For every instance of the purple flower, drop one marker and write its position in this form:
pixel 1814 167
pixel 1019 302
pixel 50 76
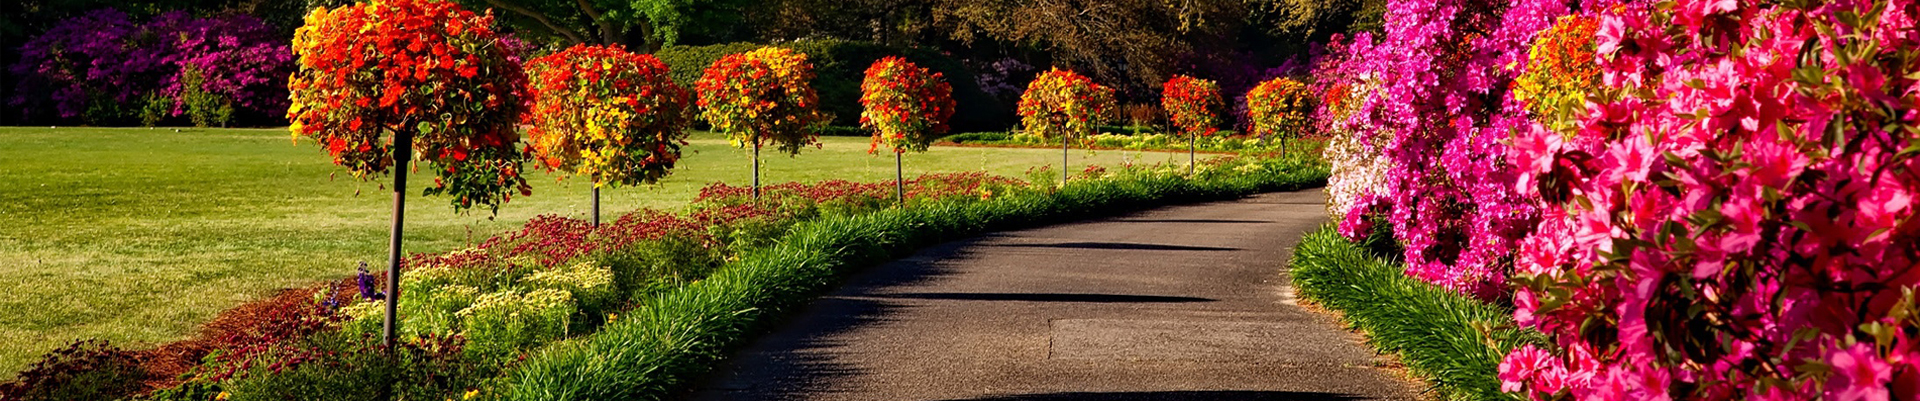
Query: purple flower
pixel 367 285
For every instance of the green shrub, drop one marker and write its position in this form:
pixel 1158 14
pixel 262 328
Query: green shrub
pixel 1454 341
pixel 500 325
pixel 839 67
pixel 978 137
pixel 651 266
pixel 590 284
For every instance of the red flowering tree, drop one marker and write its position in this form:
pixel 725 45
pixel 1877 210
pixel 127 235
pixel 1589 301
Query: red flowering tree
pixel 762 97
pixel 380 84
pixel 907 106
pixel 1193 109
pixel 604 113
pixel 1061 104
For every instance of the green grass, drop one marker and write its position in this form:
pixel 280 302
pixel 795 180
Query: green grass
pixel 1454 341
pixel 139 235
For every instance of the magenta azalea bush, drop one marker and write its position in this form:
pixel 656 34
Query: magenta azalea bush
pixel 1734 217
pixel 1435 93
pixel 103 65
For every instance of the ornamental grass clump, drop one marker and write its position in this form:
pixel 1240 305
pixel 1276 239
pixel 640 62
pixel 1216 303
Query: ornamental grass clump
pixel 606 114
pixel 1733 215
pixel 906 107
pixel 762 97
pixel 1193 109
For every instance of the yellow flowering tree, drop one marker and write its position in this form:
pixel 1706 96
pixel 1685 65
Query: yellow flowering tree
pixel 605 113
pixel 759 98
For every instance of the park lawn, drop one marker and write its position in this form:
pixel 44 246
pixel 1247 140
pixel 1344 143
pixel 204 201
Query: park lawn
pixel 138 235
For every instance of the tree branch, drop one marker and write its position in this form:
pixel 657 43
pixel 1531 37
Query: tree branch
pixel 541 18
pixel 607 34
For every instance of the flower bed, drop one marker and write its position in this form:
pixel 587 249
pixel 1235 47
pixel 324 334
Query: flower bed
pixel 1223 142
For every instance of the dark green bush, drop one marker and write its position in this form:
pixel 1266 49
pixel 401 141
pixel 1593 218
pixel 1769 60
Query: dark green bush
pixel 83 370
pixel 840 65
pixel 340 367
pixel 1455 341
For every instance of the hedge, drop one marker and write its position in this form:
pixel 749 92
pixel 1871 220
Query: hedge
pixel 1454 341
pixel 673 339
pixel 840 65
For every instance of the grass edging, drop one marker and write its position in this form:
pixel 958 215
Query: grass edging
pixel 670 341
pixel 1454 341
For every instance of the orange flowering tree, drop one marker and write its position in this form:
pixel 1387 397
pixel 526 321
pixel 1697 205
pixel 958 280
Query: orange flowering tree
pixel 605 113
pixel 381 83
pixel 1065 105
pixel 906 107
pixel 1281 107
pixel 1193 109
pixel 1560 72
pixel 759 98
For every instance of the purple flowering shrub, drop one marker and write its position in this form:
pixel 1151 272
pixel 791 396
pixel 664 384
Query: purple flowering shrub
pixel 102 67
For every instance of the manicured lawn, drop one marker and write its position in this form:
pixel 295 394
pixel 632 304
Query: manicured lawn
pixel 137 235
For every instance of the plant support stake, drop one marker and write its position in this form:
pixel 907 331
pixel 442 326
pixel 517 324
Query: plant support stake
pixel 899 180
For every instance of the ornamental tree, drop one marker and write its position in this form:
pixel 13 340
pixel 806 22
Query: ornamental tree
pixel 382 83
pixel 1560 72
pixel 762 97
pixel 1732 215
pixel 907 106
pixel 1193 109
pixel 1282 107
pixel 602 112
pixel 1060 104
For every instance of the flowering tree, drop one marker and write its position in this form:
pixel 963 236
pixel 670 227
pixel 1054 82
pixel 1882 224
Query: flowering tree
pixel 382 83
pixel 1193 107
pixel 602 112
pixel 1560 72
pixel 906 107
pixel 762 97
pixel 1280 107
pixel 1731 216
pixel 1065 105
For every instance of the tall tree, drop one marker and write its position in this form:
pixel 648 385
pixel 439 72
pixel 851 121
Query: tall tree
pixel 1135 41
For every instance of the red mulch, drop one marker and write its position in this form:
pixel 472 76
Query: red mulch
pixel 1012 146
pixel 165 363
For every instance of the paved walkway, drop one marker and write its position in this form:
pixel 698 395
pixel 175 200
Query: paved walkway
pixel 1177 303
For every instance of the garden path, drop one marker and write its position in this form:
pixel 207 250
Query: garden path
pixel 1176 303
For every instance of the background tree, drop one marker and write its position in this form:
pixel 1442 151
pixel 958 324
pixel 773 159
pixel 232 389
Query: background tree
pixel 761 97
pixel 1193 109
pixel 604 113
pixel 644 25
pixel 379 84
pixel 1064 105
pixel 906 108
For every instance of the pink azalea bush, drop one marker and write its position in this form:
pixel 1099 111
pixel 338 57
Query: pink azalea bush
pixel 1734 217
pixel 1435 94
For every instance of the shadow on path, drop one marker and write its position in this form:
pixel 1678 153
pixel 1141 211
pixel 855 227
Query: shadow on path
pixel 1197 221
pixel 1177 396
pixel 1045 297
pixel 1121 245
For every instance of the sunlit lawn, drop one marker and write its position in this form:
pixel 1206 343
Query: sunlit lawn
pixel 137 235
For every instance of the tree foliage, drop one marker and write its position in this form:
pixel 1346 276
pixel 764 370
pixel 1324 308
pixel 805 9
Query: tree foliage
pixel 427 68
pixel 1193 105
pixel 1063 104
pixel 762 97
pixel 604 113
pixel 907 106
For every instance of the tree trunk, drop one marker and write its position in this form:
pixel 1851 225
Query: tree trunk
pixel 756 171
pixel 1063 161
pixel 1190 140
pixel 899 180
pixel 596 204
pixel 402 152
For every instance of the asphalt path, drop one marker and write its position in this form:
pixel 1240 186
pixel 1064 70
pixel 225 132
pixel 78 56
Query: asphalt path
pixel 1177 303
